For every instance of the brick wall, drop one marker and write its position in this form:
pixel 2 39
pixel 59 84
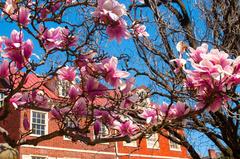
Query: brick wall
pixel 59 147
pixel 11 124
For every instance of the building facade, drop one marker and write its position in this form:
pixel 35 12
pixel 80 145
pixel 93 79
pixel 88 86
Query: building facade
pixel 42 122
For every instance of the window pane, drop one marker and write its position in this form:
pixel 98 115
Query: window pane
pixel 131 144
pixel 38 123
pixel 152 141
pixel 173 145
pixel 35 157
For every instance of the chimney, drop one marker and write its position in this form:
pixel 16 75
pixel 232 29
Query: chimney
pixel 212 154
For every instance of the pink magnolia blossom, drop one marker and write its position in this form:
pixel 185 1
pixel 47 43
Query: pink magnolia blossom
pixel 44 12
pixel 180 63
pixel 128 85
pixel 86 58
pixel 16 101
pixel 73 92
pixel 4 69
pixel 94 88
pixel 168 111
pixel 213 73
pixel 55 6
pixel 150 115
pixel 22 16
pixel 17 50
pixel 217 104
pixel 57 37
pixel 51 37
pixel 56 113
pixel 67 73
pixel 129 101
pixel 67 40
pixel 104 116
pixel 41 100
pixel 97 127
pixel 26 124
pixel 109 10
pixel 118 30
pixel 172 111
pixel 88 65
pixel 126 128
pixel 70 1
pixel 181 109
pixel 113 76
pixel 196 55
pixel 80 107
pixel 140 30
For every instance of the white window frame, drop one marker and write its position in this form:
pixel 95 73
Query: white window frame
pixel 45 157
pixel 103 128
pixel 2 97
pixel 64 136
pixel 60 87
pixel 100 134
pixel 46 121
pixel 131 144
pixel 153 144
pixel 171 143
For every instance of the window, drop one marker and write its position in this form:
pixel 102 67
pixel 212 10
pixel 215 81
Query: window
pixel 152 141
pixel 131 144
pixel 39 122
pixel 2 96
pixel 69 124
pixel 173 145
pixel 63 87
pixel 37 157
pixel 104 131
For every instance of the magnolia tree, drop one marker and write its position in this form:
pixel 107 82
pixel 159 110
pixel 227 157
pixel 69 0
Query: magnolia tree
pixel 63 40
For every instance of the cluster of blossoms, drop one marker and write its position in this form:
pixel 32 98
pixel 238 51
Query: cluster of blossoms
pixel 156 113
pixel 52 7
pixel 16 49
pixel 36 98
pixel 110 13
pixel 22 13
pixel 56 37
pixel 93 92
pixel 101 93
pixel 211 75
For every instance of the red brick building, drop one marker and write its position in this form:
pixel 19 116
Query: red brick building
pixel 63 148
